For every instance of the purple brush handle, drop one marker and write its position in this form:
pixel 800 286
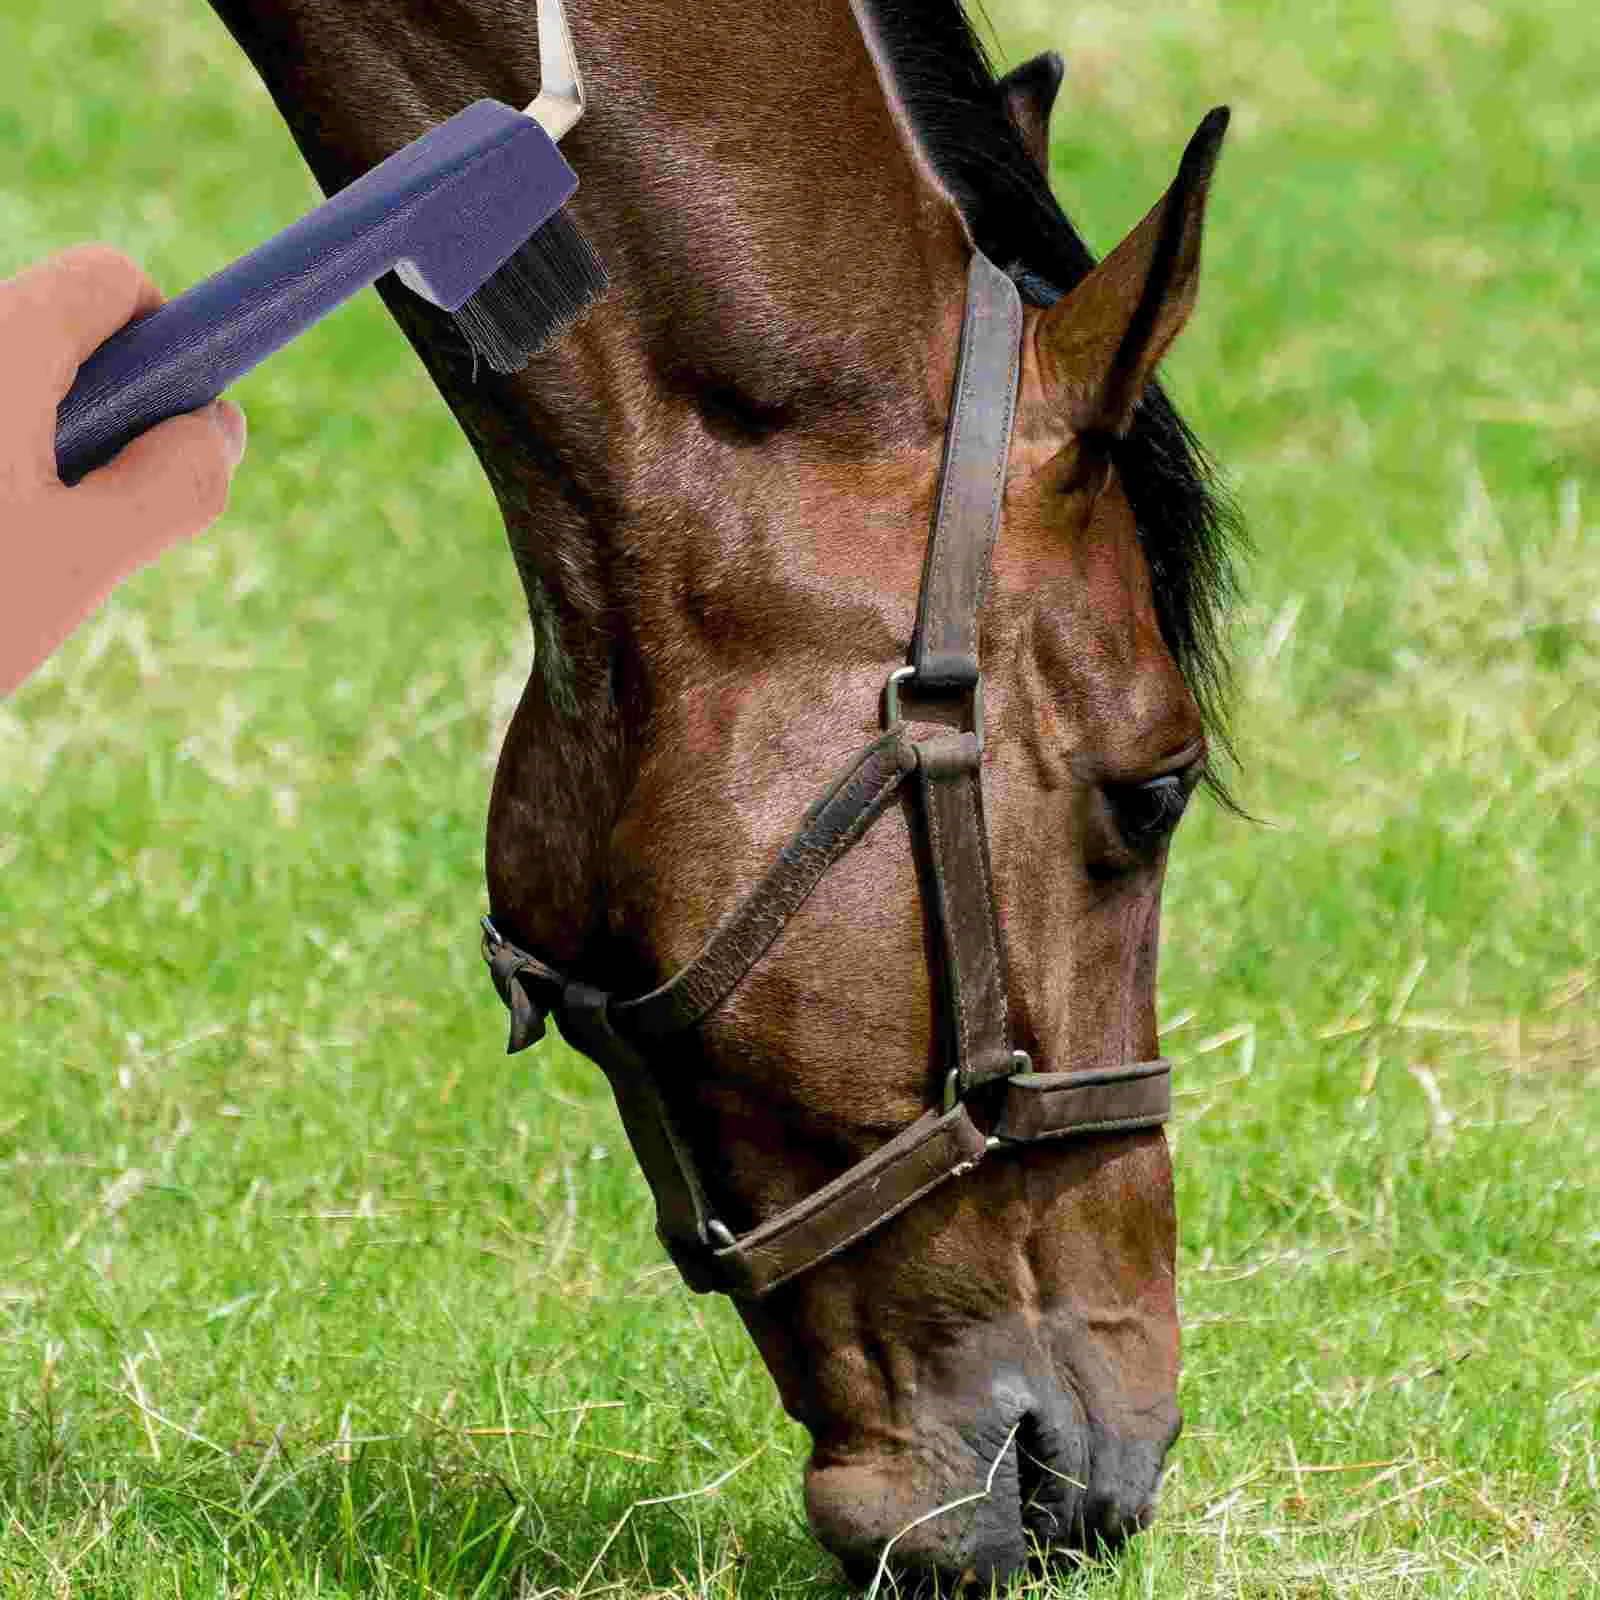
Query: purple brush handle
pixel 450 208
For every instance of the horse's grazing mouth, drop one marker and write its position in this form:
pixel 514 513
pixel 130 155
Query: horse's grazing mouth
pixel 716 610
pixel 1048 1482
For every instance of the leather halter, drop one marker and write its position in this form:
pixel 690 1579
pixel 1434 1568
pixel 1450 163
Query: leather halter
pixel 944 772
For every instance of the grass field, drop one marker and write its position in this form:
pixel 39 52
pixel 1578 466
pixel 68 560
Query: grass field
pixel 305 1289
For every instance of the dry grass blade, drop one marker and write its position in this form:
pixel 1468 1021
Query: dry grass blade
pixel 939 1511
pixel 659 1500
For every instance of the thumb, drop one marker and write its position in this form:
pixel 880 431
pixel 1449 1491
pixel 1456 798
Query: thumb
pixel 168 484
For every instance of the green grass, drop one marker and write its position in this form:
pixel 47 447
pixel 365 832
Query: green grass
pixel 305 1289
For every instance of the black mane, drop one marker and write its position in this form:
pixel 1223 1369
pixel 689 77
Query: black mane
pixel 1190 529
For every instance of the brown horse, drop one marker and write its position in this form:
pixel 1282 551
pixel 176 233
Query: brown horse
pixel 718 493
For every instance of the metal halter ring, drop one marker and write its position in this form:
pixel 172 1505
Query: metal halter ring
pixel 891 700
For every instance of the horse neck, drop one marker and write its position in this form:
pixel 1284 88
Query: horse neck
pixel 786 289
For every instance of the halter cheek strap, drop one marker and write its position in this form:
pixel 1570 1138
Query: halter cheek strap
pixel 944 772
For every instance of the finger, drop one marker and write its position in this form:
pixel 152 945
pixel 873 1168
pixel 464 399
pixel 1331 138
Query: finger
pixel 166 485
pixel 54 314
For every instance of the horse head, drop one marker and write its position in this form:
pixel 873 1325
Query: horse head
pixel 719 491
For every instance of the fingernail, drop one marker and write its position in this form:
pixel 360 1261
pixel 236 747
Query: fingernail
pixel 231 420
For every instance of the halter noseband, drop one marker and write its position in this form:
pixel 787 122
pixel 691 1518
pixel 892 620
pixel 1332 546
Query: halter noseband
pixel 944 771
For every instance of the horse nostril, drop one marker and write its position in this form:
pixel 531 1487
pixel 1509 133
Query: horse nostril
pixel 1038 1493
pixel 1053 1473
pixel 1028 1471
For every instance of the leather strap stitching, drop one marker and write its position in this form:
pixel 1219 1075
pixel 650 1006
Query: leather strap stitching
pixel 769 1255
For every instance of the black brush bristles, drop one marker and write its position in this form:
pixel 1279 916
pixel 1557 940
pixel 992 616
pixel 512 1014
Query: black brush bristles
pixel 542 292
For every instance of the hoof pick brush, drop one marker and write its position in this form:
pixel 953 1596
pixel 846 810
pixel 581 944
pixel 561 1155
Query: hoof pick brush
pixel 468 216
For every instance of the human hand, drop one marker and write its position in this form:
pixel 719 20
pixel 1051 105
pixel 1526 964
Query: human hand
pixel 62 551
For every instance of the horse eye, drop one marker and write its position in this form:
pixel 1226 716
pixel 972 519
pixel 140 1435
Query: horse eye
pixel 1147 812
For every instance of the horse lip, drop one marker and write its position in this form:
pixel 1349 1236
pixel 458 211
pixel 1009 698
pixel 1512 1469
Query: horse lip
pixel 1034 1470
pixel 1045 1491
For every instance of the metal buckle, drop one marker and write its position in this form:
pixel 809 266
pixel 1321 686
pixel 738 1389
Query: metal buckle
pixel 891 699
pixel 1020 1059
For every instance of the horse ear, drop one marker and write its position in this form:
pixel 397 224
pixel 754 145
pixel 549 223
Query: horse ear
pixel 957 230
pixel 1099 344
pixel 1028 94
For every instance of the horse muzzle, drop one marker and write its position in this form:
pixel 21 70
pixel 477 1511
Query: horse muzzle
pixel 975 1502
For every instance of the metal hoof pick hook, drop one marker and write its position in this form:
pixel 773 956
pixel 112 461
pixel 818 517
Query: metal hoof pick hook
pixel 559 102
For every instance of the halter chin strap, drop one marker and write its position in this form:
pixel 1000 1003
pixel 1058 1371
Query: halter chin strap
pixel 944 774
